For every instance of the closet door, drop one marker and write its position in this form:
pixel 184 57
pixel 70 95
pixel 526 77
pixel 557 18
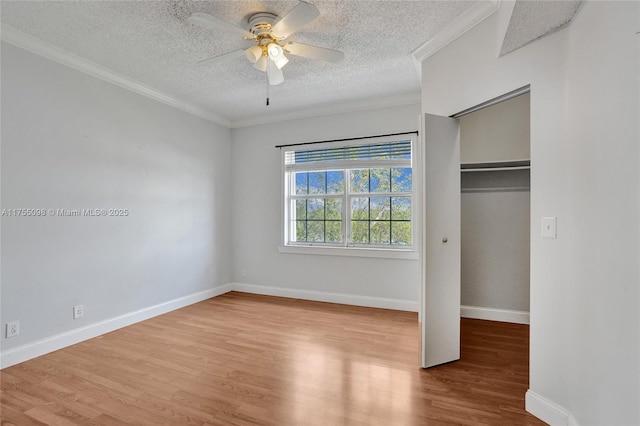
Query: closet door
pixel 441 241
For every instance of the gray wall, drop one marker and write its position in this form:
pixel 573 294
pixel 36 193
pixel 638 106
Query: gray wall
pixel 495 239
pixel 500 132
pixel 257 232
pixel 71 141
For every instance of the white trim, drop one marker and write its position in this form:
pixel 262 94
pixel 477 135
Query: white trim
pixel 49 344
pixel 345 299
pixel 492 314
pixel 548 411
pixel 49 51
pixel 494 101
pixel 351 251
pixel 463 23
pixel 329 109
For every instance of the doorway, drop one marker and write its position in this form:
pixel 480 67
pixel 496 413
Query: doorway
pixel 441 289
pixel 495 211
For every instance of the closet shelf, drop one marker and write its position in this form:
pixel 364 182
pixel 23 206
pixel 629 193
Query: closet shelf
pixel 497 189
pixel 496 166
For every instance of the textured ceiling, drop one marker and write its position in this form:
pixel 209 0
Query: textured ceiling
pixel 531 20
pixel 153 43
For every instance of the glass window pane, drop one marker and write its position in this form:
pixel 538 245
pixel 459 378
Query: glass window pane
pixel 359 180
pixel 301 230
pixel 317 182
pixel 380 232
pixel 302 180
pixel 401 233
pixel 401 179
pixel 380 208
pixel 301 209
pixel 360 232
pixel 315 209
pixel 401 208
pixel 380 180
pixel 333 231
pixel 360 208
pixel 315 231
pixel 333 209
pixel 335 182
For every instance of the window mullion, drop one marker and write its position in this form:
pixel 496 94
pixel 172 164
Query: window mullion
pixel 390 208
pixel 307 197
pixel 346 209
pixel 324 216
pixel 306 218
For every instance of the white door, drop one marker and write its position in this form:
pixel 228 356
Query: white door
pixel 441 241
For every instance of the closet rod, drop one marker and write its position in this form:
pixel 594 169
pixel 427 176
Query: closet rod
pixel 415 132
pixel 496 165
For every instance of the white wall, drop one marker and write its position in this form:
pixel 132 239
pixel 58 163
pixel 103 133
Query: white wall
pixel 71 141
pixel 257 215
pixel 585 302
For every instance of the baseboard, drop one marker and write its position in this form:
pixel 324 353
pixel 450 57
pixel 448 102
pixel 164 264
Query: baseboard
pixel 504 315
pixel 320 296
pixel 35 349
pixel 548 411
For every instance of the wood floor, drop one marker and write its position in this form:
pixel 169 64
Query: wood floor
pixel 241 359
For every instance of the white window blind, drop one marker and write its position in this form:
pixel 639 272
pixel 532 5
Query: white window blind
pixel 393 154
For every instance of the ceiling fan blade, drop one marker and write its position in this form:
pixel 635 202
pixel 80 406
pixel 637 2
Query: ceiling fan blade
pixel 211 21
pixel 314 52
pixel 274 75
pixel 296 18
pixel 220 58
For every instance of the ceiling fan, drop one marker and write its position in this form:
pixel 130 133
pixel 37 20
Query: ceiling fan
pixel 268 54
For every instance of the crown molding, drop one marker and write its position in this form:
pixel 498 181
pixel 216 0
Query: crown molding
pixel 49 51
pixel 328 109
pixel 477 13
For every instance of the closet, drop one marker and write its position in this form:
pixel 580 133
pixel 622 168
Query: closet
pixel 495 211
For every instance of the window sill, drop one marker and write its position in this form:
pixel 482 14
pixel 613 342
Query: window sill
pixel 351 251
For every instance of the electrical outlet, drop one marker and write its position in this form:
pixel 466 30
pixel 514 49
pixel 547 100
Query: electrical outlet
pixel 244 274
pixel 78 311
pixel 13 329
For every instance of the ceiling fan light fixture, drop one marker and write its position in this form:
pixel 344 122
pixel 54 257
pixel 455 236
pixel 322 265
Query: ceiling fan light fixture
pixel 261 63
pixel 253 54
pixel 281 62
pixel 276 54
pixel 274 50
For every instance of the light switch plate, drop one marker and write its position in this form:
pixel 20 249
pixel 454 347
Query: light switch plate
pixel 549 227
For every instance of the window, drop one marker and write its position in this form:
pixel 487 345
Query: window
pixel 350 194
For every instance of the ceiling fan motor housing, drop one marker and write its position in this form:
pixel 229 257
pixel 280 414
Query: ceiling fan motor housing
pixel 260 23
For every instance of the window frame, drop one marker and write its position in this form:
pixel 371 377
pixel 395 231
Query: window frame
pixel 346 248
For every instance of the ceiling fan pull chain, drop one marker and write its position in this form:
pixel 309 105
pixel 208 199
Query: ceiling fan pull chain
pixel 267 91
